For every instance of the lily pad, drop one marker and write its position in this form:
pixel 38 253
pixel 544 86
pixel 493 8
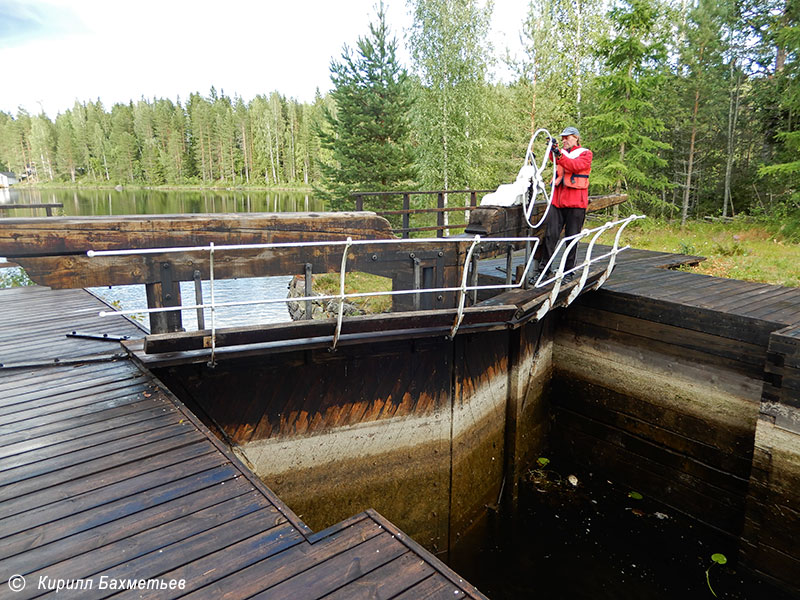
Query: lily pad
pixel 635 495
pixel 543 462
pixel 720 559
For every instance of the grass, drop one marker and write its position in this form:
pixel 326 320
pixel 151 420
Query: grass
pixel 355 282
pixel 740 249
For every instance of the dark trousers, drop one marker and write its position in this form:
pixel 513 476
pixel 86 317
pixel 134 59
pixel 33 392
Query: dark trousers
pixel 570 219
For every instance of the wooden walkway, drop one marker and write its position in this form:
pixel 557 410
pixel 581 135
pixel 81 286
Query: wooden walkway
pixel 107 481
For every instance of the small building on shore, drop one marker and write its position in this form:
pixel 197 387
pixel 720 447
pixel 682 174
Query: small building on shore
pixel 7 179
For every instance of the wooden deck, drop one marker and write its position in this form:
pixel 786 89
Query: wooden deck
pixel 104 474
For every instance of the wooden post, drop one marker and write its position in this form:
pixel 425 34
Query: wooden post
pixel 158 321
pixel 309 278
pixel 473 202
pixel 417 281
pixel 406 216
pixel 440 214
pixel 198 299
pixel 359 202
pixel 509 263
pixel 165 293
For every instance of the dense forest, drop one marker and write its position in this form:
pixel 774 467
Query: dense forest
pixel 690 106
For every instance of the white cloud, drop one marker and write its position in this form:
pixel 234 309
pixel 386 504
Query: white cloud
pixel 122 51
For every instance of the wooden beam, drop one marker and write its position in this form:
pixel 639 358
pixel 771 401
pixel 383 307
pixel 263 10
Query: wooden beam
pixel 75 235
pixel 386 260
pixel 235 336
pixel 498 221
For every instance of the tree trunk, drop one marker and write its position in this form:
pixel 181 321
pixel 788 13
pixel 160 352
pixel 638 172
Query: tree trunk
pixel 244 148
pixel 733 116
pixel 445 157
pixel 690 162
pixel 202 154
pixel 578 77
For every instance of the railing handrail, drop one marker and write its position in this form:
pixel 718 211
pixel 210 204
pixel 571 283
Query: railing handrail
pixel 419 192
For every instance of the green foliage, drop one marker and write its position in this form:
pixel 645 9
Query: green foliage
pixel 367 133
pixel 629 78
pixel 627 127
pixel 448 42
pixel 14 277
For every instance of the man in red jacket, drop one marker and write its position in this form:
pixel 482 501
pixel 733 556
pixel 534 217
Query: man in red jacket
pixel 570 198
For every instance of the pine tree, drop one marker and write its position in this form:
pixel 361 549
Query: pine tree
pixel 368 132
pixel 626 128
pixel 786 171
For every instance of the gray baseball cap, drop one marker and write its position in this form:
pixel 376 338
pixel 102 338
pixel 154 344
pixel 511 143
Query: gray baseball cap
pixel 570 131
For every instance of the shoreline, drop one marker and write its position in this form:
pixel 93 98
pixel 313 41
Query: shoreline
pixel 163 188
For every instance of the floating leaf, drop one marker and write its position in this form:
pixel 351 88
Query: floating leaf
pixel 543 462
pixel 720 559
pixel 635 495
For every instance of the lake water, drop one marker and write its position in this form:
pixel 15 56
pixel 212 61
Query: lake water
pixel 156 202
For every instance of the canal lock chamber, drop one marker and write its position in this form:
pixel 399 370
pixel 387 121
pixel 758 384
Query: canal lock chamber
pixel 442 436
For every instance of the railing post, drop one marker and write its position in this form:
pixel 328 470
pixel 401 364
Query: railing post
pixel 440 214
pixel 406 216
pixel 359 202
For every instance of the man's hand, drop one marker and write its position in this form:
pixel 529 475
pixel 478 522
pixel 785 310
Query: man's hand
pixel 556 149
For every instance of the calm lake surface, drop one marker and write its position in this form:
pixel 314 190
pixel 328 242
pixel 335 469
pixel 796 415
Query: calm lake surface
pixel 159 202
pixel 156 202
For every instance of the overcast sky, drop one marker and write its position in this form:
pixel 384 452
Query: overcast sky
pixel 54 52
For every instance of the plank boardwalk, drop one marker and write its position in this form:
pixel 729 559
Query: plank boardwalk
pixel 105 477
pixel 648 275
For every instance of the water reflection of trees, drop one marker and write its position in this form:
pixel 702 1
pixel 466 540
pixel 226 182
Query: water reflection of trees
pixel 79 202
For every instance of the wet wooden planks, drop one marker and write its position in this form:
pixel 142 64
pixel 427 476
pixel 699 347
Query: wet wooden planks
pixel 35 321
pixel 104 473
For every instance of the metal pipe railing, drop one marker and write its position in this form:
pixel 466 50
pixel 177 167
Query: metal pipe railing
pixel 349 243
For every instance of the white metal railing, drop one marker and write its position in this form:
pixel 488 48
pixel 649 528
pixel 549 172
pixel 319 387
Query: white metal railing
pixel 349 243
pixel 568 243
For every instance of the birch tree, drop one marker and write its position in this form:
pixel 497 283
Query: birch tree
pixel 450 53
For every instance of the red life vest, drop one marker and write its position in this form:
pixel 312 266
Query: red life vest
pixel 579 180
